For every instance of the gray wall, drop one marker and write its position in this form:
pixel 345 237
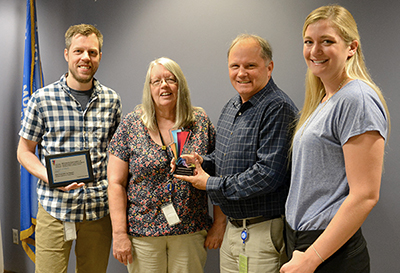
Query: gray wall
pixel 196 34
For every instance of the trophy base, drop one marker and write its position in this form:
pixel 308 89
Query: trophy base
pixel 182 170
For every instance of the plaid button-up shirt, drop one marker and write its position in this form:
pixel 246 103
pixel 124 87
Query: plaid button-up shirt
pixel 251 155
pixel 57 121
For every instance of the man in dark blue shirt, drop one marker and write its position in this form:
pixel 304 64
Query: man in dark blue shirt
pixel 250 161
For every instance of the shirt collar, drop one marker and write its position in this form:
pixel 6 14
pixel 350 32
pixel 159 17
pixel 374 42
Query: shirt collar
pixel 96 85
pixel 237 103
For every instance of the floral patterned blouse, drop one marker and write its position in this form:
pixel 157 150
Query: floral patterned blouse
pixel 148 178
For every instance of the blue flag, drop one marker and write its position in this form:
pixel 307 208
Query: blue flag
pixel 32 80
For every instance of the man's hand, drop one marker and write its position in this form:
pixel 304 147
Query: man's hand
pixel 215 236
pixel 72 186
pixel 191 158
pixel 200 177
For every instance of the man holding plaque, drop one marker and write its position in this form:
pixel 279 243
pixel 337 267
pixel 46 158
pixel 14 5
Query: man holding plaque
pixel 251 163
pixel 70 122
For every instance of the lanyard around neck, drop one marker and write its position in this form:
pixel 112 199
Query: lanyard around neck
pixel 164 147
pixel 170 186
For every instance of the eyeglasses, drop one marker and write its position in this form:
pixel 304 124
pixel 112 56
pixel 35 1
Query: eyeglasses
pixel 160 81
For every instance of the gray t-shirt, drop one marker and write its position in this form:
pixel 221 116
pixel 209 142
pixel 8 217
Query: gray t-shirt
pixel 82 96
pixel 319 183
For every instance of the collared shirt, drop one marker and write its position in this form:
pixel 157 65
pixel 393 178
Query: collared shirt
pixel 251 155
pixel 57 121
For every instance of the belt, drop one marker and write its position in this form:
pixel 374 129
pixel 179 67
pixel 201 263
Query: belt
pixel 239 222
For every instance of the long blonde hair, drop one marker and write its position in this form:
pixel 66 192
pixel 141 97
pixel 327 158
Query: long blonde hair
pixel 355 67
pixel 184 108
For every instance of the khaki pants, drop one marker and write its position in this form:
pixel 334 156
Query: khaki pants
pixel 92 246
pixel 265 247
pixel 172 254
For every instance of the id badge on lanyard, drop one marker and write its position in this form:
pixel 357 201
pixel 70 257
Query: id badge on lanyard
pixel 243 259
pixel 69 231
pixel 168 208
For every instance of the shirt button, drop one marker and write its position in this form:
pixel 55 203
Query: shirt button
pixel 240 113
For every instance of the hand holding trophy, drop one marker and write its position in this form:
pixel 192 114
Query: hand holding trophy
pixel 181 138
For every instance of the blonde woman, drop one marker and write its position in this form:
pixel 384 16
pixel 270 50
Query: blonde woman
pixel 338 150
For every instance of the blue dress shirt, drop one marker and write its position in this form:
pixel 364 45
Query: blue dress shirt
pixel 251 157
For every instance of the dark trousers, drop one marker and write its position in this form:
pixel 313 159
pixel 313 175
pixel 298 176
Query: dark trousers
pixel 352 257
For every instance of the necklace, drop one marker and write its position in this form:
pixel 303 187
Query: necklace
pixel 326 102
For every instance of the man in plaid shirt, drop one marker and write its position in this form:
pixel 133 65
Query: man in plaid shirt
pixel 250 163
pixel 75 113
